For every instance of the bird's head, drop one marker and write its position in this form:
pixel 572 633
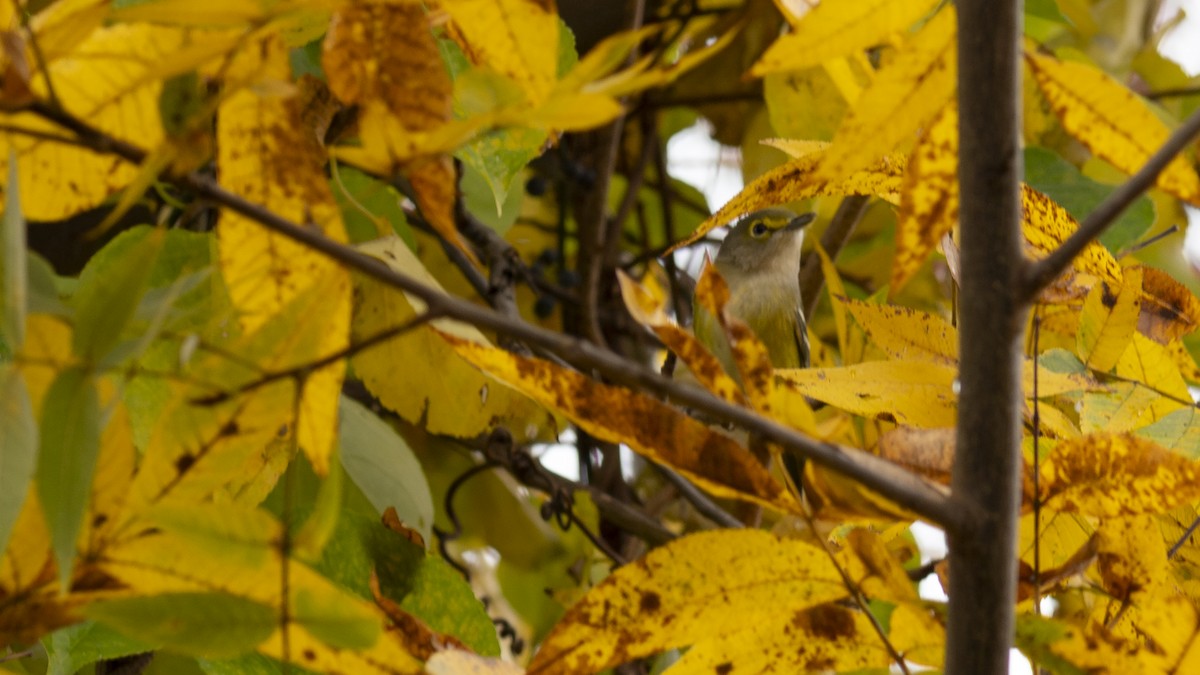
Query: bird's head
pixel 764 240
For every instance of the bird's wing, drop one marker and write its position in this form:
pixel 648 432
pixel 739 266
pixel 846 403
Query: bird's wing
pixel 802 347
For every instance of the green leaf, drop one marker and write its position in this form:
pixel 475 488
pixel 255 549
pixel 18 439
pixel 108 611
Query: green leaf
pixel 70 445
pixel 370 207
pixel 110 288
pixel 384 468
pixel 444 601
pixel 211 625
pixel 247 664
pixel 74 647
pixel 12 262
pixel 1080 195
pixel 335 619
pixel 480 194
pixel 320 525
pixel 18 448
pixel 181 99
pixel 45 288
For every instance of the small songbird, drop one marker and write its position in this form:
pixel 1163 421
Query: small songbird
pixel 760 262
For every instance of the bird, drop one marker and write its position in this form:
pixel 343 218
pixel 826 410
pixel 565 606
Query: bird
pixel 760 262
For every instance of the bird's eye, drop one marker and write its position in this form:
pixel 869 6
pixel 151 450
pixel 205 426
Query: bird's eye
pixel 758 229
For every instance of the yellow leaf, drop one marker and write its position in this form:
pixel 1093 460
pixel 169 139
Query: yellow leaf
pixel 1179 353
pixel 797 180
pixel 794 147
pixel 227 13
pixel 905 392
pixel 265 156
pixel 1117 475
pixel 106 81
pixel 115 469
pixel 571 112
pixel 664 434
pixel 1126 406
pixel 1178 431
pixel 46 351
pixel 417 375
pixel 225 442
pixel 744 353
pixel 902 97
pixel 837 291
pixel 705 367
pixel 1046 225
pixel 840 28
pixel 826 638
pixel 1109 320
pixel 1110 120
pixel 695 588
pixel 1093 649
pixel 907 334
pixel 517 38
pixel 929 196
pixel 1131 558
pixel 1149 363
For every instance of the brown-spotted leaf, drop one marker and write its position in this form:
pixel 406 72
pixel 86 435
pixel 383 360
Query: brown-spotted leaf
pixel 928 196
pixel 1078 649
pixel 650 312
pixel 1116 475
pixel 906 334
pixel 1169 309
pixel 1109 320
pixel 1110 120
pixel 660 432
pixel 735 344
pixel 266 155
pixel 904 95
pixel 1131 559
pixel 696 588
pixel 1148 362
pixel 825 638
pixel 797 180
pixel 833 29
pixel 1046 225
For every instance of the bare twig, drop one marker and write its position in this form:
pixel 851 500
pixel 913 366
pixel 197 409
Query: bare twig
pixel 1039 275
pixel 705 506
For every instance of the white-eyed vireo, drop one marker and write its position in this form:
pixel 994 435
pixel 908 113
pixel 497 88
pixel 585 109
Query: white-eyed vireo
pixel 760 262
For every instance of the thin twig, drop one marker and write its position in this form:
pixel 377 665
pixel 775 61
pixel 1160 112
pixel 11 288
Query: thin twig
pixel 700 501
pixel 304 369
pixel 1038 275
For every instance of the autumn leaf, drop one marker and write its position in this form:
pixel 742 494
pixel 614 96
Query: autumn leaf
pixel 664 434
pixel 1110 120
pixel 906 334
pixel 490 32
pixel 906 392
pixel 904 95
pixel 834 29
pixel 1116 475
pixel 797 180
pixel 265 156
pixel 418 375
pixel 1108 321
pixel 694 589
pixel 928 196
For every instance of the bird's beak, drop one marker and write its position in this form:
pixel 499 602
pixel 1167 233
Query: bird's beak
pixel 800 221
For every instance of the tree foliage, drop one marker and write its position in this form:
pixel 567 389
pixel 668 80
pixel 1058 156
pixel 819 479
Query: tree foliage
pixel 350 265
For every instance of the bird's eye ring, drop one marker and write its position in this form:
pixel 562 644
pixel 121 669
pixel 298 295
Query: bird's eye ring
pixel 758 229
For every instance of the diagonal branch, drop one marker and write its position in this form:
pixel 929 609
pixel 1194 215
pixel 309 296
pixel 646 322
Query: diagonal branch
pixel 908 490
pixel 1039 275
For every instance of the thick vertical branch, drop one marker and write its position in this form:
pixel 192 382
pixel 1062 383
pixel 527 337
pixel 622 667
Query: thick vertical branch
pixel 986 469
